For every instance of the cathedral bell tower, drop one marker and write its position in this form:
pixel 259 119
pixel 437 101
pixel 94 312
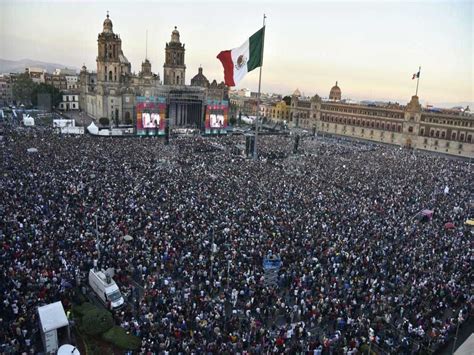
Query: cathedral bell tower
pixel 174 67
pixel 111 63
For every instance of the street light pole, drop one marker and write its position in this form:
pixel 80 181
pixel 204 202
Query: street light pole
pixel 457 331
pixel 212 253
pixel 97 237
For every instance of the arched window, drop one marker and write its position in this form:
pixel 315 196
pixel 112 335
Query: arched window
pixel 110 75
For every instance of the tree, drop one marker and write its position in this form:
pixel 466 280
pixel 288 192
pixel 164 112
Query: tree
pixel 104 121
pixel 42 88
pixel 23 88
pixel 287 100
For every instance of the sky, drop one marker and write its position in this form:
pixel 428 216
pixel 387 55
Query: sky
pixel 372 48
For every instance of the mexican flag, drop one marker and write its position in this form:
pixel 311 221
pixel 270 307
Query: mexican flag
pixel 239 61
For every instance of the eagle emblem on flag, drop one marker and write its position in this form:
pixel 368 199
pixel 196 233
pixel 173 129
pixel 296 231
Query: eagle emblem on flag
pixel 241 61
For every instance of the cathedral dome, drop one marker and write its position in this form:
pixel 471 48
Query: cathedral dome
pixel 200 79
pixel 335 93
pixel 108 25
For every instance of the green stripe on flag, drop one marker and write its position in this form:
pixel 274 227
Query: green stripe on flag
pixel 256 49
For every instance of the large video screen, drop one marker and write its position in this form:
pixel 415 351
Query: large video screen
pixel 216 117
pixel 151 116
pixel 217 121
pixel 151 119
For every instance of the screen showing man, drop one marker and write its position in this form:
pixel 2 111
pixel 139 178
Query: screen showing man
pixel 217 121
pixel 150 120
pixel 155 120
pixel 146 119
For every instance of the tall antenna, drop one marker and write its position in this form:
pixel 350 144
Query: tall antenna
pixel 146 45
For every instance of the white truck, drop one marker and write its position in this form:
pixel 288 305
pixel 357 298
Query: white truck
pixel 105 288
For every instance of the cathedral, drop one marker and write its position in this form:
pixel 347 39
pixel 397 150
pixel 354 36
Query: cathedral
pixel 114 91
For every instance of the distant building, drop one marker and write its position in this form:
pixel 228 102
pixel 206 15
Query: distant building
pixel 65 71
pixel 70 102
pixel 57 80
pixel 6 83
pixel 410 126
pixel 72 82
pixel 36 74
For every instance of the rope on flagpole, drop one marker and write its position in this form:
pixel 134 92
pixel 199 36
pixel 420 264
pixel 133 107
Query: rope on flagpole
pixel 255 152
pixel 418 81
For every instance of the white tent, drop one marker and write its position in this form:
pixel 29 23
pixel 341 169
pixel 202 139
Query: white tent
pixel 52 316
pixel 28 120
pixel 32 150
pixel 93 129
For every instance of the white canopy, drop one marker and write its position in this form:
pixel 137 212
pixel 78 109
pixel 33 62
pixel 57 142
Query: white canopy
pixel 93 129
pixel 28 120
pixel 52 316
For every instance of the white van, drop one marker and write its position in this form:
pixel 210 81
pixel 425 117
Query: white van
pixel 105 288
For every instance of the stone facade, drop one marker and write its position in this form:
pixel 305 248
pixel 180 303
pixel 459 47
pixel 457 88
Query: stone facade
pixel 410 126
pixel 113 89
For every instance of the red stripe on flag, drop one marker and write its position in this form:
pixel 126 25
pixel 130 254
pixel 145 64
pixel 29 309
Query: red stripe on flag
pixel 226 59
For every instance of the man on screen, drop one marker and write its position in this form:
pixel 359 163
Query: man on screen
pixel 155 120
pixel 146 119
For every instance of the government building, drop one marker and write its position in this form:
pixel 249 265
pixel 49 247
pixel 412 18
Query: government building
pixel 411 126
pixel 113 91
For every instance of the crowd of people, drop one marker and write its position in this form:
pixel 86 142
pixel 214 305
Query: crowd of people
pixel 359 268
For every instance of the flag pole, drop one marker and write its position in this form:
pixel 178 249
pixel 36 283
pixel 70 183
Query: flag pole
pixel 418 81
pixel 255 152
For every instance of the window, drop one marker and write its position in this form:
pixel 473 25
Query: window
pixel 469 138
pixel 422 131
pixel 410 129
pixel 461 137
pixel 453 136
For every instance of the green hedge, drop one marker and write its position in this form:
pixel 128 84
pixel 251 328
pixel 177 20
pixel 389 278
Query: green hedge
pixel 96 321
pixel 81 310
pixel 119 337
